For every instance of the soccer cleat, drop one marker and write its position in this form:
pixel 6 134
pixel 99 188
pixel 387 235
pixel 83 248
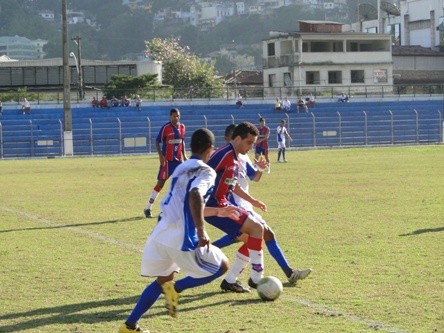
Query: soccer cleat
pixel 171 298
pixel 252 284
pixel 236 287
pixel 147 213
pixel 299 275
pixel 126 329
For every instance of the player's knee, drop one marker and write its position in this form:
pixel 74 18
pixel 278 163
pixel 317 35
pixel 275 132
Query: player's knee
pixel 268 234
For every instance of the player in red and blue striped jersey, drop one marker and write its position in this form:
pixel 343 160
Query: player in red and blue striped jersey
pixel 226 164
pixel 262 141
pixel 170 145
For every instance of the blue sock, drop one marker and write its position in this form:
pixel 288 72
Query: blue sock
pixel 223 241
pixel 278 255
pixel 190 282
pixel 146 300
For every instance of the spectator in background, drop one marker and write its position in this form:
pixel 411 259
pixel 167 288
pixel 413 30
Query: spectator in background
pixel 103 102
pixel 239 101
pixel 278 104
pixel 114 102
pixel 343 98
pixel 310 100
pixel 301 105
pixel 286 105
pixel 26 107
pixel 125 101
pixel 138 103
pixel 94 102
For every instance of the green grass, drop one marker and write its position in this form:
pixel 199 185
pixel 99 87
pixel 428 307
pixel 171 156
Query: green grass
pixel 370 222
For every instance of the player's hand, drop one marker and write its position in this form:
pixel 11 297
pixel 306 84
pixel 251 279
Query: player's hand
pixel 259 204
pixel 202 235
pixel 261 164
pixel 231 212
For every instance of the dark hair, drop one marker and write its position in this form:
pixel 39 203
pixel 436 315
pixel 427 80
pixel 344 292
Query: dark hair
pixel 229 130
pixel 245 128
pixel 261 119
pixel 174 111
pixel 201 140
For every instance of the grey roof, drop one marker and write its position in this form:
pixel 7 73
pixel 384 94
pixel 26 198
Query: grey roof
pixel 415 50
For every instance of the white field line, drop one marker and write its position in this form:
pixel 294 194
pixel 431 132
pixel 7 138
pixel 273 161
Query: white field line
pixel 321 308
pixel 77 230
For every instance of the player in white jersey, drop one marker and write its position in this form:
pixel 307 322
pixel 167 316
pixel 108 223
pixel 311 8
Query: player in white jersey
pixel 179 239
pixel 282 134
pixel 248 171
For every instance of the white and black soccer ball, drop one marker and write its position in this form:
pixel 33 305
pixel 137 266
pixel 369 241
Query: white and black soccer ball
pixel 269 288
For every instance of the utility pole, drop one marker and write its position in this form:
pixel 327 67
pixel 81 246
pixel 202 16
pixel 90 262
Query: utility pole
pixel 67 133
pixel 77 40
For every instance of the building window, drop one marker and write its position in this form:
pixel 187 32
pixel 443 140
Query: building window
pixel 357 76
pixel 287 80
pixel 271 50
pixel 312 78
pixel 334 77
pixel 271 80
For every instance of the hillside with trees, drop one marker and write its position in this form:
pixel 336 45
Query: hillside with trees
pixel 118 30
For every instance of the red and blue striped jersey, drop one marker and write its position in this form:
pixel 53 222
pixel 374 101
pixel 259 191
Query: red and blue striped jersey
pixel 171 138
pixel 224 161
pixel 263 133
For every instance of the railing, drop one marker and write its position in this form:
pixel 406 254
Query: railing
pixel 319 90
pixel 113 136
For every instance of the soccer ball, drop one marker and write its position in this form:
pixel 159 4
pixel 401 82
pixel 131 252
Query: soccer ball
pixel 269 288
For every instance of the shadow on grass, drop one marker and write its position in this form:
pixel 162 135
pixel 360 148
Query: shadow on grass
pixel 422 231
pixel 84 313
pixel 129 219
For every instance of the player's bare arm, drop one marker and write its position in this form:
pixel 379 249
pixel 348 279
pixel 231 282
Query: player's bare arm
pixel 244 195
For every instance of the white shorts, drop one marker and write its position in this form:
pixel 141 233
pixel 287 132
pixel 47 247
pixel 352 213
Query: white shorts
pixel 281 144
pixel 162 260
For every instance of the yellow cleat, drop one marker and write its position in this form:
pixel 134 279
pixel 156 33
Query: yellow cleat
pixel 171 298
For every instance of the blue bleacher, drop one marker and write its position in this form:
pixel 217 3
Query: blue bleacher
pixel 104 131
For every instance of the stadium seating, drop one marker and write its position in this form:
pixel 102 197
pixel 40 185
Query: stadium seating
pixel 129 131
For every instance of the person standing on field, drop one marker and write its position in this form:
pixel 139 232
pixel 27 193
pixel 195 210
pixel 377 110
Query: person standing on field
pixel 262 142
pixel 282 134
pixel 171 154
pixel 179 240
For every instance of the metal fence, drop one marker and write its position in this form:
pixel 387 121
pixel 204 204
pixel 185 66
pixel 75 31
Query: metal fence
pixel 229 93
pixel 114 136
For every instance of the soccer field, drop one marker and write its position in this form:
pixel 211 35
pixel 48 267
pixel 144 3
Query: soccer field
pixel 369 222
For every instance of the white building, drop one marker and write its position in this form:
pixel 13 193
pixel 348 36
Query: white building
pixel 326 57
pixel 21 48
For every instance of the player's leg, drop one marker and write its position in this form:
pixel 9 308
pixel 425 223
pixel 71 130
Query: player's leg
pixel 154 194
pixel 283 154
pixel 155 262
pixel 276 252
pixel 255 232
pixel 279 154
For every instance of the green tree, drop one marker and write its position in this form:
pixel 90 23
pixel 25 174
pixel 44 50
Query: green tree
pixel 183 70
pixel 121 85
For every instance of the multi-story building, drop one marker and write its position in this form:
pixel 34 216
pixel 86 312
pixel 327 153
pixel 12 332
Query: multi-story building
pixel 320 55
pixel 21 48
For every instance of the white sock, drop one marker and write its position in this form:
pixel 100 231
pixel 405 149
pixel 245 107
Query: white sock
pixel 153 197
pixel 240 262
pixel 257 265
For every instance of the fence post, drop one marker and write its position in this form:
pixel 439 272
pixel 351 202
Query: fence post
pixel 392 128
pixel 288 128
pixel 365 128
pixel 149 133
pixel 340 128
pixel 232 119
pixel 314 129
pixel 120 136
pixel 1 140
pixel 62 143
pixel 205 121
pixel 417 126
pixel 91 140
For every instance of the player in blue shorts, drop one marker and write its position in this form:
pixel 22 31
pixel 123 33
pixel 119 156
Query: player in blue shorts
pixel 248 171
pixel 179 239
